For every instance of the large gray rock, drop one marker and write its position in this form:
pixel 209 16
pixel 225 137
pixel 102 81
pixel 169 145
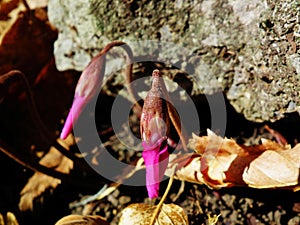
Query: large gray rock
pixel 250 49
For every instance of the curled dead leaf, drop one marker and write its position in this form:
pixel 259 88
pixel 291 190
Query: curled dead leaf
pixel 274 169
pixel 140 214
pixel 222 162
pixel 82 220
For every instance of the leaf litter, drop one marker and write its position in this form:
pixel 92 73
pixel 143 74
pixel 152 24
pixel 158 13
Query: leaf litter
pixel 141 214
pixel 222 162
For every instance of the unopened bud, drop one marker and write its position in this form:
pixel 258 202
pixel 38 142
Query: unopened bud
pixel 154 131
pixel 155 120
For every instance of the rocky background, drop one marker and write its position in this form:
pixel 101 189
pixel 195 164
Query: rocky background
pixel 247 49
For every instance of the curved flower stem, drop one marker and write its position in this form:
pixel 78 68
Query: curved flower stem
pixel 161 202
pixel 129 65
pixel 175 118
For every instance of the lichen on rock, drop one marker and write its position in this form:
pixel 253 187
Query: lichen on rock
pixel 248 49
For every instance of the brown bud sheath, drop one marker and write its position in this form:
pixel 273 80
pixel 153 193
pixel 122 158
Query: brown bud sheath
pixel 155 120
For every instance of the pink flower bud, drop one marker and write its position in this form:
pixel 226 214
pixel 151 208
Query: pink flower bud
pixel 156 161
pixel 90 83
pixel 154 131
pixel 87 87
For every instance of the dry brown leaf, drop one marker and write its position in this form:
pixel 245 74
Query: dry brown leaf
pixel 82 220
pixel 222 162
pixel 9 11
pixel 140 214
pixel 39 182
pixel 27 43
pixel 274 169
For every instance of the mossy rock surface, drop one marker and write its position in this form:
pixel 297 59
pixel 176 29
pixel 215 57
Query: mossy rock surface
pixel 250 50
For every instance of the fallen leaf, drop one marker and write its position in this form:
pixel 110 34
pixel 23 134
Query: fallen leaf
pixel 27 44
pixel 82 220
pixel 6 7
pixel 40 182
pixel 219 162
pixel 9 11
pixel 140 214
pixel 274 169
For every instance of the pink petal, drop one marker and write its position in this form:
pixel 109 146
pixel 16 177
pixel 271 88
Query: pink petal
pixel 89 84
pixel 156 161
pixel 90 81
pixel 76 109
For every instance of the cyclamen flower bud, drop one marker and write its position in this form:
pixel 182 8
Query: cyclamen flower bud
pixel 87 87
pixel 90 82
pixel 154 129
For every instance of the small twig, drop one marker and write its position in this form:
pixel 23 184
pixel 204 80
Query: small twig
pixel 89 199
pixel 161 202
pixel 180 191
pixel 213 220
pixel 106 190
pixel 27 162
pixel 26 5
pixel 36 167
pixel 278 136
